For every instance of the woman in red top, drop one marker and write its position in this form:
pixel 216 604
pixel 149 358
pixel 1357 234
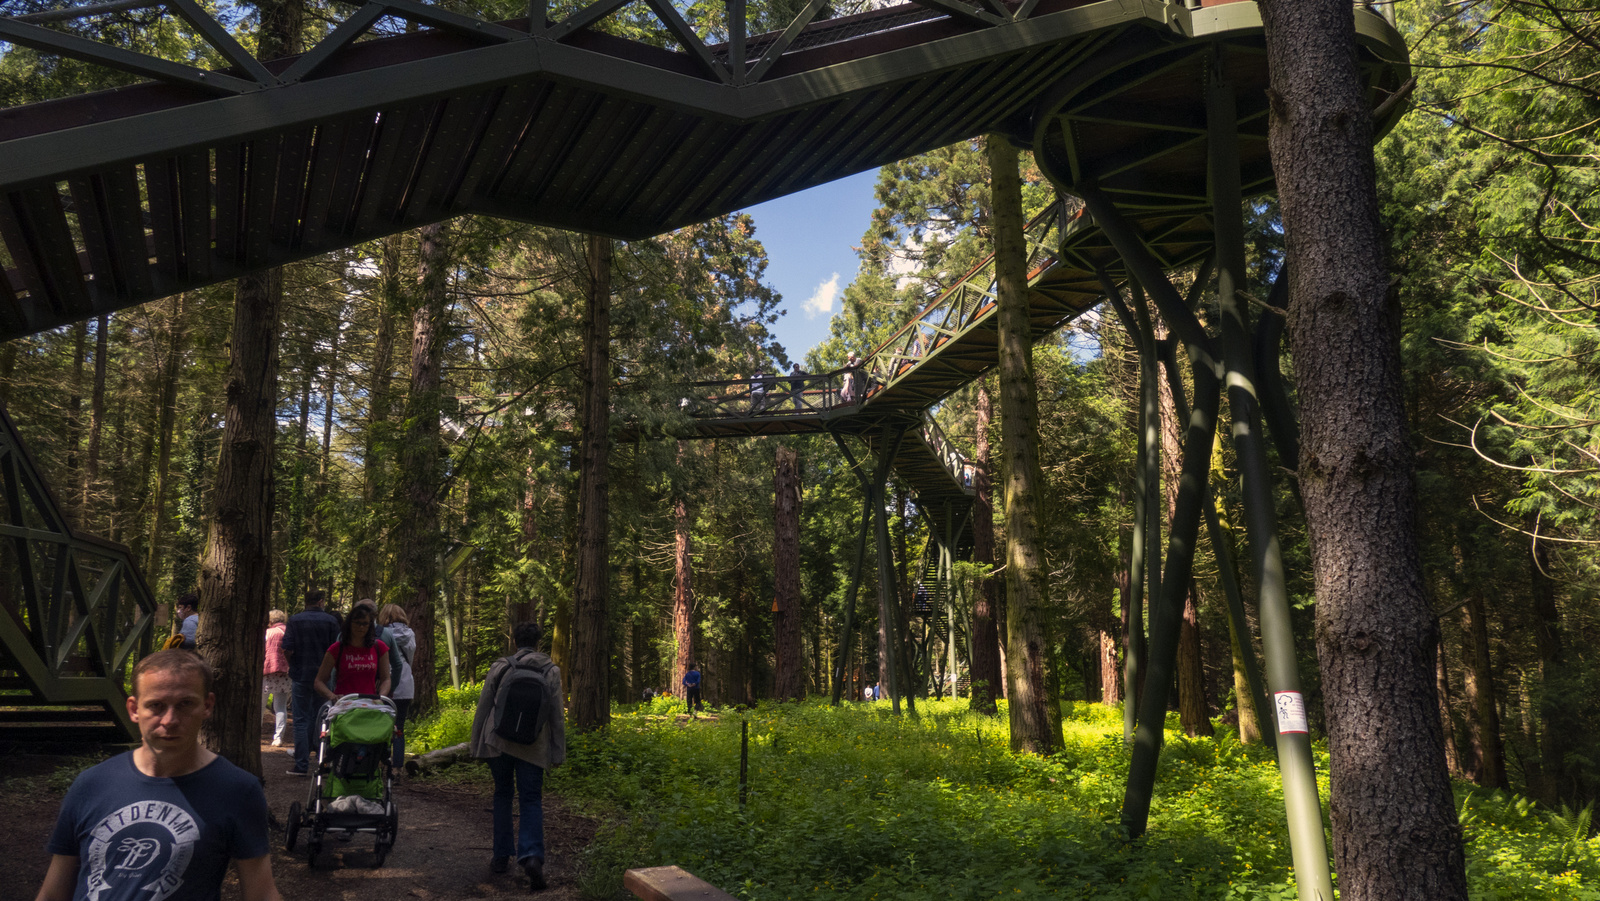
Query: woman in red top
pixel 361 660
pixel 275 677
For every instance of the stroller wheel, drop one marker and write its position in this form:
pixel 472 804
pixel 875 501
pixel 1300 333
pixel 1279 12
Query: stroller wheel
pixel 294 827
pixel 311 853
pixel 379 852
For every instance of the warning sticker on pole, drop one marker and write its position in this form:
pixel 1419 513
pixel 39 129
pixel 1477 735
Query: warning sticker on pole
pixel 1291 712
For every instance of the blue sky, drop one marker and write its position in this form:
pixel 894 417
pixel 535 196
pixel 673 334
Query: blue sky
pixel 811 239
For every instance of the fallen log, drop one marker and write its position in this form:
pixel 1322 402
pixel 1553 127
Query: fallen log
pixel 434 760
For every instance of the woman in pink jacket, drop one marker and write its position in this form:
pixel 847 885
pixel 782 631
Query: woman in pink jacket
pixel 276 679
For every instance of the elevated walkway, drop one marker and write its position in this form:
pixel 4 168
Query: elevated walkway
pixel 122 196
pixel 951 342
pixel 74 613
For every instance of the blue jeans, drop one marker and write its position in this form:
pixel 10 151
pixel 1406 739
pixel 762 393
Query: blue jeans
pixel 530 787
pixel 307 710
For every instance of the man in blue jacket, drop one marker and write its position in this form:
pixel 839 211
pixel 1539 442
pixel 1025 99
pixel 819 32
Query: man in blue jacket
pixel 311 632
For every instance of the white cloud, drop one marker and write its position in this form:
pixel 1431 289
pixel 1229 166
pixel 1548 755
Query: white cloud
pixel 821 301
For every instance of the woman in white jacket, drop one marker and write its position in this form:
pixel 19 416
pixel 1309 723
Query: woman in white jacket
pixel 404 643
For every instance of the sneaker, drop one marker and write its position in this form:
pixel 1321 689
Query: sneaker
pixel 277 742
pixel 294 772
pixel 498 865
pixel 534 868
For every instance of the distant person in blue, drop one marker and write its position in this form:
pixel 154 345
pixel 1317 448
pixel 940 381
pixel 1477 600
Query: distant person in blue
pixel 309 635
pixel 188 610
pixel 162 821
pixel 691 688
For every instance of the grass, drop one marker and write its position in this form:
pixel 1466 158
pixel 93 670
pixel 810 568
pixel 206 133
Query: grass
pixel 854 803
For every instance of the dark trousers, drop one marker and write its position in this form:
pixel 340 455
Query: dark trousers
pixel 401 705
pixel 529 789
pixel 307 711
pixel 693 699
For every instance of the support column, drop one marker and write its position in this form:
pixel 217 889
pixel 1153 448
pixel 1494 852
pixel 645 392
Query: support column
pixel 842 668
pixel 1308 845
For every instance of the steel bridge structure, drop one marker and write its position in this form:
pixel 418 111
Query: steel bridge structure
pixel 625 118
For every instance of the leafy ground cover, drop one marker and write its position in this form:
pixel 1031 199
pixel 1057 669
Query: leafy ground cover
pixel 853 802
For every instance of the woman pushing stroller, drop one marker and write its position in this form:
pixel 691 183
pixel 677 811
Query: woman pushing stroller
pixel 358 662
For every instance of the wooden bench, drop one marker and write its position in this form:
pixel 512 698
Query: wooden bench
pixel 671 884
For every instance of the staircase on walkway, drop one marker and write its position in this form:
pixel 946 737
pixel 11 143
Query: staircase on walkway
pixel 74 614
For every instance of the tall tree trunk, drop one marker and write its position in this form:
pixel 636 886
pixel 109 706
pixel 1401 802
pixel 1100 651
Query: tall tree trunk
pixel 985 650
pixel 166 422
pixel 1452 756
pixel 1035 712
pixel 236 574
pixel 1554 739
pixel 1395 829
pixel 682 583
pixel 375 446
pixel 790 680
pixel 92 506
pixel 74 436
pixel 417 547
pixel 1481 691
pixel 591 707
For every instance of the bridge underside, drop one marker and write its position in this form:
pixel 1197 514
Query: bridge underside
pixel 115 198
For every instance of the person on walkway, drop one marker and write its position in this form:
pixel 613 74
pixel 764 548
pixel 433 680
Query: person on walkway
pixel 188 612
pixel 164 819
pixel 521 763
pixel 691 688
pixel 850 385
pixel 797 386
pixel 358 663
pixel 758 392
pixel 275 676
pixel 306 641
pixel 402 649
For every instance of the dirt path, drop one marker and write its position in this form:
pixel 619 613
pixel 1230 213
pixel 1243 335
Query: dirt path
pixel 442 853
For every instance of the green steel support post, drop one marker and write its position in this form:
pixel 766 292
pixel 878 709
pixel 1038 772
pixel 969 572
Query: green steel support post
pixel 1308 845
pixel 1227 566
pixel 888 605
pixel 947 553
pixel 848 638
pixel 1133 660
pixel 1166 616
pixel 1150 420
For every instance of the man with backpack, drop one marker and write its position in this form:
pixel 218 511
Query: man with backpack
pixel 520 730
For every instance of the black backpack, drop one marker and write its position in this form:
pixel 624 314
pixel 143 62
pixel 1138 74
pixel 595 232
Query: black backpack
pixel 519 702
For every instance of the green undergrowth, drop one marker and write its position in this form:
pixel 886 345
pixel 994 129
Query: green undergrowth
pixel 856 803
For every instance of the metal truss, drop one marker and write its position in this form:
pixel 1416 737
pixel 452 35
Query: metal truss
pixel 74 613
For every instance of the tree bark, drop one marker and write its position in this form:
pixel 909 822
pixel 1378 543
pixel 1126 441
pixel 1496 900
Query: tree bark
pixel 1035 712
pixel 375 446
pixel 166 422
pixel 682 584
pixel 1554 739
pixel 417 544
pixel 786 611
pixel 591 708
pixel 1395 828
pixel 1481 692
pixel 236 573
pixel 93 506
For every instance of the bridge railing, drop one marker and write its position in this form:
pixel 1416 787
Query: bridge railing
pixel 74 610
pixel 766 395
pixel 957 464
pixel 963 304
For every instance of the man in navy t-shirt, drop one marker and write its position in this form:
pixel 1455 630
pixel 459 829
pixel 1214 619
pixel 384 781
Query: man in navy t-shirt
pixel 161 822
